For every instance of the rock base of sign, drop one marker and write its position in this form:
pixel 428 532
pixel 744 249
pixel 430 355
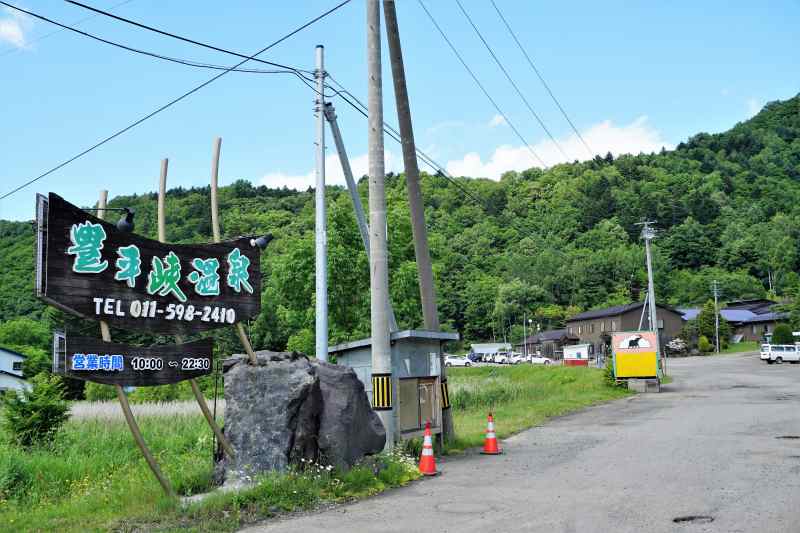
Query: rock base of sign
pixel 288 410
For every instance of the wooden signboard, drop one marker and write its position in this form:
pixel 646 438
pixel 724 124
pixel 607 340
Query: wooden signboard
pixel 120 364
pixel 90 268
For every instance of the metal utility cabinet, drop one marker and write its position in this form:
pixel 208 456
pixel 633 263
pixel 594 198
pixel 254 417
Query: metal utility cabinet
pixel 416 374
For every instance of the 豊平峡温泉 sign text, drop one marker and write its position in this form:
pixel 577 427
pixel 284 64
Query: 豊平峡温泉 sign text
pixel 90 268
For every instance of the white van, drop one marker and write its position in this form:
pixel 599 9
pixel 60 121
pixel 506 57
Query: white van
pixel 778 353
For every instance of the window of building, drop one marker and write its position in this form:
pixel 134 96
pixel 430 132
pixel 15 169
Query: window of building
pixel 753 329
pixel 591 328
pixel 613 326
pixel 602 325
pixel 580 328
pixel 17 365
pixel 660 324
pixel 766 328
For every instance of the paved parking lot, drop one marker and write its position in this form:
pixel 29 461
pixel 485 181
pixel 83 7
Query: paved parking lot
pixel 719 447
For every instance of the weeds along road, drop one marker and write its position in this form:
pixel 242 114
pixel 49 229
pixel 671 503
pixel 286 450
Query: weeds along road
pixel 710 444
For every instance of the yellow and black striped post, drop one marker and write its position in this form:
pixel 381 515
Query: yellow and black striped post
pixel 382 392
pixel 445 395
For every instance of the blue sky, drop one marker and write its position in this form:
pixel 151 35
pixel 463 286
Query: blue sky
pixel 632 75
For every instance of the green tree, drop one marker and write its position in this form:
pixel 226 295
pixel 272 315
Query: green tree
pixel 706 326
pixel 31 417
pixel 782 334
pixel 689 245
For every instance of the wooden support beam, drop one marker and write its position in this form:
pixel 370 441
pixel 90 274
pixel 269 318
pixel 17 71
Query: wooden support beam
pixel 105 333
pixel 198 394
pixel 248 348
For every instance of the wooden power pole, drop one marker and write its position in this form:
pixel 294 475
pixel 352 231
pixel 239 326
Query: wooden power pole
pixel 427 291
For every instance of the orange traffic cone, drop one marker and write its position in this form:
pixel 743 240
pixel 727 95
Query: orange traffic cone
pixel 490 446
pixel 427 463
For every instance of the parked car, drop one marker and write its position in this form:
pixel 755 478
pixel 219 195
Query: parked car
pixel 474 357
pixel 517 358
pixel 541 360
pixel 765 349
pixel 778 353
pixel 500 358
pixel 457 360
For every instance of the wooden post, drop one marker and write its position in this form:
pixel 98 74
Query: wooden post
pixel 198 394
pixel 214 186
pixel 105 333
pixel 427 290
pixel 162 199
pixel 248 348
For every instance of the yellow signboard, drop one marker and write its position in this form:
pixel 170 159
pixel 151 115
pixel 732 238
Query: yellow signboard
pixel 635 354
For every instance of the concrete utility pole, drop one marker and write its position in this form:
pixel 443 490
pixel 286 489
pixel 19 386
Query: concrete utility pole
pixel 524 335
pixel 715 289
pixel 648 233
pixel 378 257
pixel 427 290
pixel 320 230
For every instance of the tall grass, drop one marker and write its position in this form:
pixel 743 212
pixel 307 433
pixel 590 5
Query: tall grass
pixel 93 478
pixel 520 397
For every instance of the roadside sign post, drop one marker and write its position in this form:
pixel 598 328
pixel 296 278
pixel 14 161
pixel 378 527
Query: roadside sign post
pixel 99 271
pixel 635 354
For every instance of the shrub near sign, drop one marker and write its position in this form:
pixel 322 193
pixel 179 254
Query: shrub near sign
pixel 120 364
pixel 88 267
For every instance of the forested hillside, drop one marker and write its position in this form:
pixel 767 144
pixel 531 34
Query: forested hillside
pixel 544 242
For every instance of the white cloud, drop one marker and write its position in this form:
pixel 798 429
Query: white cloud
pixel 638 136
pixel 754 105
pixel 13 27
pixel 333 172
pixel 497 120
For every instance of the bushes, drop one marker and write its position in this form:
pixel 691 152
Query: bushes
pixel 34 416
pixel 704 345
pixel 97 392
pixel 782 335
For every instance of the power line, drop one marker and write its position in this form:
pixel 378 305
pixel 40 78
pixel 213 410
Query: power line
pixel 394 134
pixel 511 80
pixel 190 63
pixel 541 78
pixel 46 35
pixel 172 102
pixel 179 37
pixel 480 85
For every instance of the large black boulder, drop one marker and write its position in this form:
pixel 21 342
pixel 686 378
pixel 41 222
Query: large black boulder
pixel 289 409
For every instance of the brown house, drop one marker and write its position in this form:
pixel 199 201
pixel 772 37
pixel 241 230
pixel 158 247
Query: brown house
pixel 548 343
pixel 595 327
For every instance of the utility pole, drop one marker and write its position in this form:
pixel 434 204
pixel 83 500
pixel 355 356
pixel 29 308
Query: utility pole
pixel 715 289
pixel 524 335
pixel 427 291
pixel 320 231
pixel 422 252
pixel 648 233
pixel 378 256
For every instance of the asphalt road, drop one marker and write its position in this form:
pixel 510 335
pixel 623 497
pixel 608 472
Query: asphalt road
pixel 712 443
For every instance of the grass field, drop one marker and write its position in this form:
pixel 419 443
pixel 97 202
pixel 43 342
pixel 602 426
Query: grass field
pixel 520 397
pixel 740 347
pixel 93 478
